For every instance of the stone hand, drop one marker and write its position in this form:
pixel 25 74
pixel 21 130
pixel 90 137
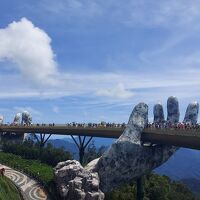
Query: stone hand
pixel 127 159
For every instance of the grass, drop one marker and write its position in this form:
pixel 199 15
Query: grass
pixel 8 191
pixel 40 171
pixel 33 167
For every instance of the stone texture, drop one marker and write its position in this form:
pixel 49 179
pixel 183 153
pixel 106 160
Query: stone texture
pixel 124 161
pixel 76 183
pixel 1 119
pixel 173 113
pixel 191 114
pixel 158 113
pixel 26 118
pixel 17 119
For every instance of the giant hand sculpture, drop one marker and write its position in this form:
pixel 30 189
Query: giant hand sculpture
pixel 26 118
pixel 125 160
pixel 17 119
pixel 1 119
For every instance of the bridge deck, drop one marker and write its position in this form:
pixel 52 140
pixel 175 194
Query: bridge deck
pixel 107 132
pixel 176 137
pixel 189 138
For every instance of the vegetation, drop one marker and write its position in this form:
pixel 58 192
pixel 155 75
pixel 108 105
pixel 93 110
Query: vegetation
pixel 8 191
pixel 193 184
pixel 31 150
pixel 40 171
pixel 156 188
pixel 92 152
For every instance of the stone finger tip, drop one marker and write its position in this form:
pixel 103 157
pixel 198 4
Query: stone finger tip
pixel 139 114
pixel 191 114
pixel 173 113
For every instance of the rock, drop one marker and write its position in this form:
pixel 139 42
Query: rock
pixel 92 196
pixel 76 183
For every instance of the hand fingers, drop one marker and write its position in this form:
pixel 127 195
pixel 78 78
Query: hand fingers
pixel 173 113
pixel 158 113
pixel 191 114
pixel 139 116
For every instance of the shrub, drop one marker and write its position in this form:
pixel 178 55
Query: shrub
pixel 31 150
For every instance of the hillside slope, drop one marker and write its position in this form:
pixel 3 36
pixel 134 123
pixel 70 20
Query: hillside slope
pixel 183 166
pixel 7 190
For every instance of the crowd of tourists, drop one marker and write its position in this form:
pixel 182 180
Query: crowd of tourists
pixel 162 125
pixel 96 125
pixel 168 125
pixel 76 125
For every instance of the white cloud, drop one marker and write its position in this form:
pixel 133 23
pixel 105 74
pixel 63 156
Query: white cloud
pixel 29 48
pixel 108 85
pixel 116 92
pixel 169 14
pixel 55 109
pixel 162 13
pixel 69 10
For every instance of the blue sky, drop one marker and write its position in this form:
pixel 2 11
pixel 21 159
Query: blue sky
pixel 83 60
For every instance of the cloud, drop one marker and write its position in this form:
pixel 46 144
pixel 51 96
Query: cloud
pixel 29 48
pixel 163 13
pixel 74 8
pixel 116 92
pixel 55 109
pixel 102 85
pixel 151 13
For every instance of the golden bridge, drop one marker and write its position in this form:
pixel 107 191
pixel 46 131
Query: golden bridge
pixel 188 138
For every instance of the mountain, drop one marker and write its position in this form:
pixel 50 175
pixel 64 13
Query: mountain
pixel 98 142
pixel 69 145
pixel 184 166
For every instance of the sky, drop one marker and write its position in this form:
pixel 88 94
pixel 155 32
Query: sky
pixel 93 60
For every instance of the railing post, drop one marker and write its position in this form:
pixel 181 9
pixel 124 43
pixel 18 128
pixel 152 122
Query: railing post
pixel 140 188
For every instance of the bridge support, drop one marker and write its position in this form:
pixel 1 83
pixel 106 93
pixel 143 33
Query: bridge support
pixel 140 188
pixel 41 139
pixel 81 144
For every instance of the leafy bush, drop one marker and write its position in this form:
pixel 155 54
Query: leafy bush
pixel 31 150
pixel 156 188
pixel 34 167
